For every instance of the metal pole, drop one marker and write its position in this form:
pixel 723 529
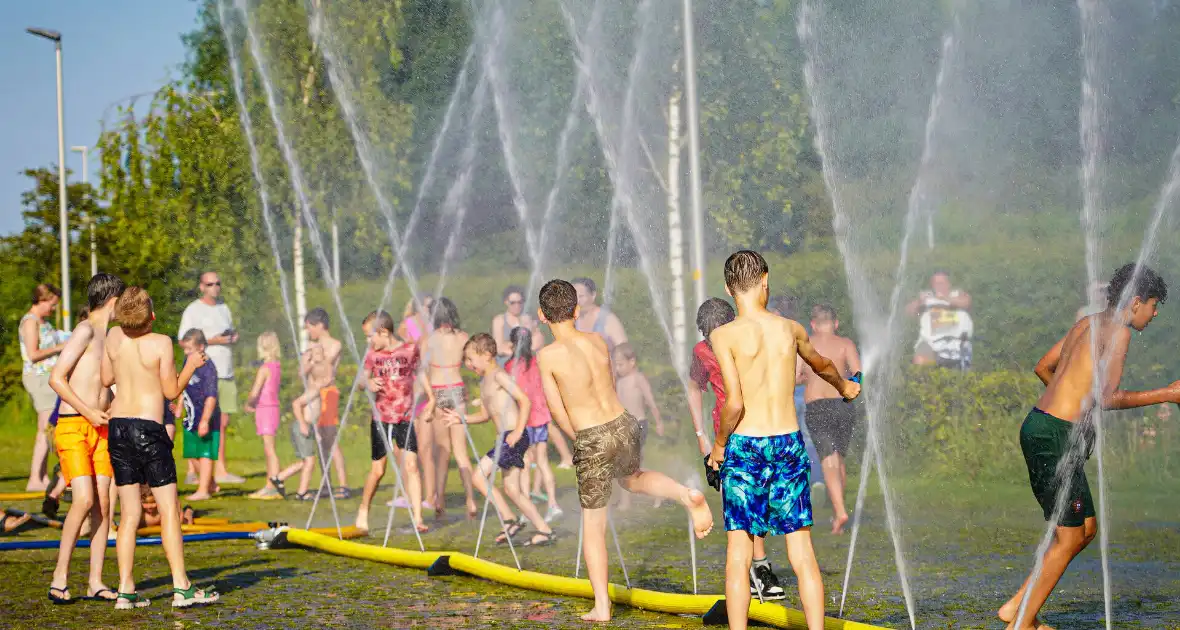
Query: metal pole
pixel 89 218
pixel 61 180
pixel 694 156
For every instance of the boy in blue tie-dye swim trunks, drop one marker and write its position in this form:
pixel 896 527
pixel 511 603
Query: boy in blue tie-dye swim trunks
pixel 765 470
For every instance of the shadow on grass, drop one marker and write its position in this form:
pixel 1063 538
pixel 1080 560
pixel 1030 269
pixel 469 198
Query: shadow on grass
pixel 228 583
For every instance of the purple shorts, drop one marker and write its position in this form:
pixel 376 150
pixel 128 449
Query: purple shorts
pixel 538 434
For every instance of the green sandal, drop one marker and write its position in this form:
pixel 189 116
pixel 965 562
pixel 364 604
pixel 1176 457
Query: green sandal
pixel 128 601
pixel 191 596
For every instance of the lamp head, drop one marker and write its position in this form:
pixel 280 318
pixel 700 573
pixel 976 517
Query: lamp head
pixel 46 33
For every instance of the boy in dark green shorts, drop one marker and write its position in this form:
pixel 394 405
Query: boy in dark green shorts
pixel 1057 435
pixel 202 417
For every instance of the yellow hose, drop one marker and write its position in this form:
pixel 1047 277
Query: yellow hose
pixel 671 603
pixel 21 496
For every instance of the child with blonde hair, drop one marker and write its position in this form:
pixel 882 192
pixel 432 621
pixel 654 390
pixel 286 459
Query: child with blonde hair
pixel 263 401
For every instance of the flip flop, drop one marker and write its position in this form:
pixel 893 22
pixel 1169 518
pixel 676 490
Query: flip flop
pixel 192 595
pixel 97 596
pixel 128 601
pixel 60 600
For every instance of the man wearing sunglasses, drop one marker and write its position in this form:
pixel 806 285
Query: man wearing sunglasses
pixel 211 316
pixel 514 317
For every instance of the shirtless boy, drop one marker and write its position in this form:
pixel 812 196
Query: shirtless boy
pixel 1057 436
pixel 759 450
pixel 141 363
pixel 81 438
pixel 508 407
pixel 829 417
pixel 580 389
pixel 321 396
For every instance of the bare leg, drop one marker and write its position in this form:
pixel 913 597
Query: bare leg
pixel 100 516
pixel 170 536
pixel 442 460
pixel 759 547
pixel 480 481
pixel 594 550
pixel 338 464
pixel 563 449
pixel 426 460
pixel 459 445
pixel 84 500
pixel 220 464
pixel 660 485
pixel 272 459
pixel 413 481
pixel 290 471
pixel 811 585
pixel 739 547
pixel 205 481
pixel 833 466
pixel 305 474
pixel 37 478
pixel 376 472
pixel 545 472
pixel 129 518
pixel 526 507
pixel 1068 542
pixel 524 480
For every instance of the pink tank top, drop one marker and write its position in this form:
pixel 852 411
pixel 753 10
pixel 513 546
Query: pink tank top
pixel 412 329
pixel 270 389
pixel 528 379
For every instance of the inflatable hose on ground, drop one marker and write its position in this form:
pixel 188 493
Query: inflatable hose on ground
pixel 671 603
pixel 21 496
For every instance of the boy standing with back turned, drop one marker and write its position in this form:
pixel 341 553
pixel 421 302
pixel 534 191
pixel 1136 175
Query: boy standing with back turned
pixel 1051 450
pixel 580 389
pixel 759 449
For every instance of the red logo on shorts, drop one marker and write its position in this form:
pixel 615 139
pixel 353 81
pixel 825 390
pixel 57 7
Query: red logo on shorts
pixel 1077 506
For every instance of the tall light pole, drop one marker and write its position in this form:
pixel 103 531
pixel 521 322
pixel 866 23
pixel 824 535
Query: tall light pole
pixel 55 37
pixel 694 157
pixel 89 218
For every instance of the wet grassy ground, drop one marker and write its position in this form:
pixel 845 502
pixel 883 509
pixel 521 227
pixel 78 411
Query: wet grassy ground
pixel 967 547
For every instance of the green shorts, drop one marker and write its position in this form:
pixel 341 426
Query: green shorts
pixel 227 395
pixel 1044 440
pixel 196 447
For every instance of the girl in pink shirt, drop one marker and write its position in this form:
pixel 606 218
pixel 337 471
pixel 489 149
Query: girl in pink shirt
pixel 523 369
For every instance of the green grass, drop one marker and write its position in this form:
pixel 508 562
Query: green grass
pixel 967 544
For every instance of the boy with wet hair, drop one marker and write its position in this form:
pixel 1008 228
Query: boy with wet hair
pixel 705 371
pixel 1058 434
pixel 579 387
pixel 508 407
pixel 202 416
pixel 141 363
pixel 829 417
pixel 759 450
pixel 81 438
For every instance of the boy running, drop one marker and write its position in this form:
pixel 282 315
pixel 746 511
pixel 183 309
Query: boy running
pixel 579 386
pixel 81 438
pixel 829 417
pixel 141 363
pixel 391 368
pixel 704 371
pixel 508 407
pixel 1053 450
pixel 759 449
pixel 202 417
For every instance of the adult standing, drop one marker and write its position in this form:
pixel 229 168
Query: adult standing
pixel 513 317
pixel 211 316
pixel 944 324
pixel 40 343
pixel 597 319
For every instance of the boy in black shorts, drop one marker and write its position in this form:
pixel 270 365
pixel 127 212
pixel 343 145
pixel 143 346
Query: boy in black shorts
pixel 391 369
pixel 506 404
pixel 1057 435
pixel 140 362
pixel 829 418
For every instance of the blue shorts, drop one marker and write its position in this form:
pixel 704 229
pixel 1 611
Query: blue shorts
pixel 538 434
pixel 766 484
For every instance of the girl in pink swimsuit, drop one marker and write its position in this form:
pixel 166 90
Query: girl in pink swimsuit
pixel 264 402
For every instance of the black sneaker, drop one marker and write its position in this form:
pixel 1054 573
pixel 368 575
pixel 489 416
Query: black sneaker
pixel 763 578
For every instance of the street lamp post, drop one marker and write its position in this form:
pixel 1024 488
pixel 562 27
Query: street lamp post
pixel 55 37
pixel 694 156
pixel 89 218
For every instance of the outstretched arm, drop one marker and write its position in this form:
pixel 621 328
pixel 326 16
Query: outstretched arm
pixel 823 366
pixel 1115 398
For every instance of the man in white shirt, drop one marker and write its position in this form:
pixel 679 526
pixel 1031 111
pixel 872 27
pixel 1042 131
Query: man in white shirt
pixel 944 323
pixel 211 316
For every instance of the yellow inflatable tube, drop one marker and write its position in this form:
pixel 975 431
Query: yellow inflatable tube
pixel 21 496
pixel 671 603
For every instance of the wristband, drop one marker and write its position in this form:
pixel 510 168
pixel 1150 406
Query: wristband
pixel 700 434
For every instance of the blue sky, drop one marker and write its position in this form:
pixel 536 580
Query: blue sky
pixel 112 49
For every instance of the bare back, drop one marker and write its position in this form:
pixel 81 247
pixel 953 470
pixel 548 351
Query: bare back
pixel 85 377
pixel 842 352
pixel 763 350
pixel 578 378
pixel 141 367
pixel 630 392
pixel 1069 393
pixel 444 354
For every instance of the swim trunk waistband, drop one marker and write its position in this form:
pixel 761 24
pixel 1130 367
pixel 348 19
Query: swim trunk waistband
pixel 67 416
pixel 448 386
pixel 607 427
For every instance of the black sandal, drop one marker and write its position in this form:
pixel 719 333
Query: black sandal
pixel 60 600
pixel 509 532
pixel 343 493
pixel 546 539
pixel 310 495
pixel 97 596
pixel 274 481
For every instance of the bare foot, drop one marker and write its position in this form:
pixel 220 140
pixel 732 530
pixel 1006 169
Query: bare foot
pixel 698 509
pixel 597 615
pixel 564 465
pixel 1007 612
pixel 423 528
pixel 838 523
pixel 198 496
pixel 472 511
pixel 362 520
